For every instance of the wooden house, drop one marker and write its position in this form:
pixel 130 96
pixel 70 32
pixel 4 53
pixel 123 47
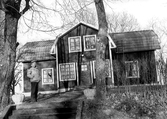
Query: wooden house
pixel 46 63
pixel 134 57
pixel 130 58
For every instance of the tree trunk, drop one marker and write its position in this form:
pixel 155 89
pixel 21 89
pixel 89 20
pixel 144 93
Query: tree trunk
pixel 7 58
pixel 8 46
pixel 101 43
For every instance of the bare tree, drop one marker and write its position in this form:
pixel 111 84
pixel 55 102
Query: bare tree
pixel 161 54
pixel 17 77
pixel 12 14
pixel 77 11
pixel 20 53
pixel 101 43
pixel 13 10
pixel 122 22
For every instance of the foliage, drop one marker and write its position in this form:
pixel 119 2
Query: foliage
pixel 135 109
pixel 139 104
pixel 92 110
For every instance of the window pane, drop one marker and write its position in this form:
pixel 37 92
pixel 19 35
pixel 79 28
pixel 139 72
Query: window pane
pixel 90 42
pixel 75 44
pixel 132 69
pixel 68 73
pixel 72 40
pixel 47 76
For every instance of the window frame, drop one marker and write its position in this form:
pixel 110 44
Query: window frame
pixel 61 74
pixel 126 70
pixel 69 44
pixel 84 37
pixel 84 67
pixel 43 83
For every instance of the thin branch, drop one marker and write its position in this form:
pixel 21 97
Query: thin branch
pixel 26 8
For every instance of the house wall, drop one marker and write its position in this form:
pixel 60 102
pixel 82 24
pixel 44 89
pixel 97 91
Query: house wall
pixel 63 48
pixel 40 65
pixel 83 57
pixel 146 63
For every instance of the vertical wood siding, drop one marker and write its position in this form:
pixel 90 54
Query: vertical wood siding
pixel 40 65
pixel 147 68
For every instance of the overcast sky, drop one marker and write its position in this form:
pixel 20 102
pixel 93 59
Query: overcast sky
pixel 143 10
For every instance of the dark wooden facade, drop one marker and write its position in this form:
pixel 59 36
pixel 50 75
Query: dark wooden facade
pixel 146 63
pixel 135 47
pixel 132 61
pixel 79 58
pixel 40 65
pixel 39 51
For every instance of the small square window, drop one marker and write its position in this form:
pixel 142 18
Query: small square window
pixel 84 67
pixel 74 44
pixel 89 42
pixel 132 69
pixel 47 76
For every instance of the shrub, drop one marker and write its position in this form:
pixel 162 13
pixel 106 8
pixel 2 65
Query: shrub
pixel 135 109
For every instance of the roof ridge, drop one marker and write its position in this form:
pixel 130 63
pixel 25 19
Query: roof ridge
pixel 40 41
pixel 132 31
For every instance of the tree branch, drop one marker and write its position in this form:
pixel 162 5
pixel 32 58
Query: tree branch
pixel 26 8
pixel 2 6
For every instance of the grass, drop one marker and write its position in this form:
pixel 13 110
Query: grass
pixel 150 103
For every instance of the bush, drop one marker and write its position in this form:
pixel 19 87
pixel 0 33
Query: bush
pixel 135 109
pixel 92 110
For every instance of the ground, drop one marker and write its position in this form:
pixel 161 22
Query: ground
pixel 148 104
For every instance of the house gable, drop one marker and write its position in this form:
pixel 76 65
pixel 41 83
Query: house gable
pixel 80 30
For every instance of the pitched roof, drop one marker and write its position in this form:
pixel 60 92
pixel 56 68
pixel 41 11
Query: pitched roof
pixel 38 50
pixel 73 27
pixel 135 41
pixel 78 24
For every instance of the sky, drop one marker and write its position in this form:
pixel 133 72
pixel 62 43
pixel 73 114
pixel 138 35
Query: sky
pixel 144 11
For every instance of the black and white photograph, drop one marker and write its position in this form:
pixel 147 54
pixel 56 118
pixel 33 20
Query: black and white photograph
pixel 83 59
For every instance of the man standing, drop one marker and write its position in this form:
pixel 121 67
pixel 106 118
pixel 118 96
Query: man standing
pixel 33 74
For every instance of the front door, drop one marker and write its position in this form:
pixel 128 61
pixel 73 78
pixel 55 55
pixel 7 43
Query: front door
pixel 85 74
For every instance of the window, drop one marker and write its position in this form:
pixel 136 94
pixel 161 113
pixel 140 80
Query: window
pixel 47 76
pixel 74 44
pixel 89 42
pixel 67 71
pixel 132 69
pixel 83 67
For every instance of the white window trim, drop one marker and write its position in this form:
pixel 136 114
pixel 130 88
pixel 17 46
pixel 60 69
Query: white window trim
pixel 70 45
pixel 52 76
pixel 53 50
pixel 138 76
pixel 85 44
pixel 111 42
pixel 94 69
pixel 74 72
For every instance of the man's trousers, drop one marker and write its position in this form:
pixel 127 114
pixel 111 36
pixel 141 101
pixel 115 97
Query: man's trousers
pixel 34 91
